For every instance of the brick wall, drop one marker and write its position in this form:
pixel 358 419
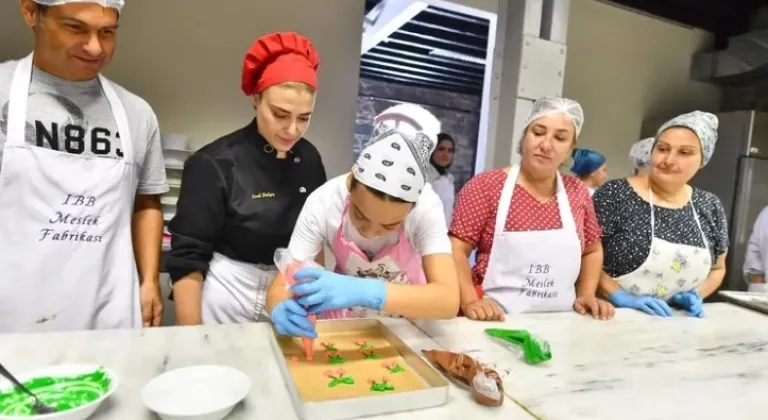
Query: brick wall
pixel 458 113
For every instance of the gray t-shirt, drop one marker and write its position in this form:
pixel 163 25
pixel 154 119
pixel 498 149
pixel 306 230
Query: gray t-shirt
pixel 75 117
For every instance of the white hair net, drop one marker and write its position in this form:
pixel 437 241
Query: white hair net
pixel 410 118
pixel 115 4
pixel 395 162
pixel 553 105
pixel 703 124
pixel 640 153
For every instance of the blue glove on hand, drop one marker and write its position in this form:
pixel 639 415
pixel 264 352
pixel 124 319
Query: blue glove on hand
pixel 291 319
pixel 647 304
pixel 690 301
pixel 321 290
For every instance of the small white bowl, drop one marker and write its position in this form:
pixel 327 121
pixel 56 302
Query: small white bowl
pixel 79 413
pixel 207 392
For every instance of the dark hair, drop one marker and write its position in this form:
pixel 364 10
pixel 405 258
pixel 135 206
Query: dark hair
pixel 378 194
pixel 442 170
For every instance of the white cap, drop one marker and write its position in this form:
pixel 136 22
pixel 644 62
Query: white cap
pixel 640 153
pixel 410 119
pixel 554 105
pixel 115 4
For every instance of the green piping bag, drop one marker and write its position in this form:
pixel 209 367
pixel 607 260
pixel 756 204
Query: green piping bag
pixel 535 350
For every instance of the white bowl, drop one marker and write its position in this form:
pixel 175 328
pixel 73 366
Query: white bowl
pixel 79 413
pixel 207 392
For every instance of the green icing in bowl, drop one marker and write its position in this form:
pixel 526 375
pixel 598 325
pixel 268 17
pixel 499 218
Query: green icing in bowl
pixel 62 392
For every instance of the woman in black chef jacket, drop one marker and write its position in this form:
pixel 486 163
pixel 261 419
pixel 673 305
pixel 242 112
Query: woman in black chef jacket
pixel 241 195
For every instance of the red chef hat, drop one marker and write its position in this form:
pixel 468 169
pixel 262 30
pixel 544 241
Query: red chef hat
pixel 278 58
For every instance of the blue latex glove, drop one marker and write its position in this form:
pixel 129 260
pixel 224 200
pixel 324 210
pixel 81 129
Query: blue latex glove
pixel 690 301
pixel 647 304
pixel 291 319
pixel 322 290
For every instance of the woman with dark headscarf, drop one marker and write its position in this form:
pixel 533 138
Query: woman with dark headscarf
pixel 590 167
pixel 442 181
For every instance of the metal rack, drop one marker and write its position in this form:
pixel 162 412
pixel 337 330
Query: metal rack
pixel 175 151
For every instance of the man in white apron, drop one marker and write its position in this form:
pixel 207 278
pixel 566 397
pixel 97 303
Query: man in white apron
pixel 80 162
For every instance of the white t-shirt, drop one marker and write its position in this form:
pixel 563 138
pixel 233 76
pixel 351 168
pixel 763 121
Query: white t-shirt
pixel 320 218
pixel 446 190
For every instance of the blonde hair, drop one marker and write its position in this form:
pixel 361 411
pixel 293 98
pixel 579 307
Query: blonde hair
pixel 299 87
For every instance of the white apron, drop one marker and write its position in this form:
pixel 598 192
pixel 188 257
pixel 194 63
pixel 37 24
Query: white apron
pixel 67 256
pixel 669 268
pixel 533 271
pixel 235 292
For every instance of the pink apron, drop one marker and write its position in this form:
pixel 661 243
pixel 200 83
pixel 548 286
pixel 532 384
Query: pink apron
pixel 398 263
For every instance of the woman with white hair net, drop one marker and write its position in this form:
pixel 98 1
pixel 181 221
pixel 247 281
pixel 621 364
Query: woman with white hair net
pixel 385 227
pixel 665 241
pixel 640 155
pixel 534 230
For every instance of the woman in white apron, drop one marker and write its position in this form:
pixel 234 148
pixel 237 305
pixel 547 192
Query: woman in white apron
pixel 241 194
pixel 665 241
pixel 441 179
pixel 590 167
pixel 535 232
pixel 384 226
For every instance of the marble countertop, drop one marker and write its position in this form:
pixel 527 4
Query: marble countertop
pixel 139 355
pixel 634 367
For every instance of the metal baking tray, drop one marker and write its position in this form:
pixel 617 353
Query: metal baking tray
pixel 434 394
pixel 757 302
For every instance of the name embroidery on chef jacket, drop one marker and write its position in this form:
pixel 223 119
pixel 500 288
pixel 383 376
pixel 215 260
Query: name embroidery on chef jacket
pixel 262 195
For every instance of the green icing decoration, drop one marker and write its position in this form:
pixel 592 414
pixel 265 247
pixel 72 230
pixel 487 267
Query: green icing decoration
pixel 343 380
pixel 369 354
pixel 329 347
pixel 363 345
pixel 396 369
pixel 382 387
pixel 63 393
pixel 334 358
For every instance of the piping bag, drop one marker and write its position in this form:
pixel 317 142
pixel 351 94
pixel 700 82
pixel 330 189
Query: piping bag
pixel 485 384
pixel 288 267
pixel 535 350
